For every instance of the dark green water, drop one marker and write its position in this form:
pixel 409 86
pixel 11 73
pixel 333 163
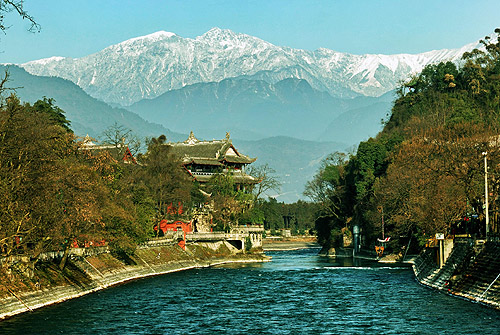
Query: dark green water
pixel 297 293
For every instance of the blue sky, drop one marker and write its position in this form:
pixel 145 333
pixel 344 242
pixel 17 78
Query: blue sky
pixel 75 28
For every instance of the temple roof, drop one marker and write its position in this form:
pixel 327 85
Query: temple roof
pixel 119 151
pixel 214 152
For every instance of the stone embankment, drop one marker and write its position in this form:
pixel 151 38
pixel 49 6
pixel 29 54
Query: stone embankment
pixel 471 271
pixel 25 289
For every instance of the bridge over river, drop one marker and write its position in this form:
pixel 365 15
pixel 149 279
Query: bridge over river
pixel 238 237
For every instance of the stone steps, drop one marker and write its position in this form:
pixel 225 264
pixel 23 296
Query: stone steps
pixel 465 273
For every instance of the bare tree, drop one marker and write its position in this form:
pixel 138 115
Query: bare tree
pixel 267 180
pixel 119 136
pixel 7 6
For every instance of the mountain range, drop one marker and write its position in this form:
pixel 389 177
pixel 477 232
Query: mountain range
pixel 148 66
pixel 288 107
pixel 256 109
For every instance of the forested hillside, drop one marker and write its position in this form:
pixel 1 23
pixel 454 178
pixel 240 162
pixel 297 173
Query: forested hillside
pixel 424 172
pixel 88 115
pixel 56 194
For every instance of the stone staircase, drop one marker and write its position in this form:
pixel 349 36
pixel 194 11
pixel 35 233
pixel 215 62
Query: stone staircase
pixel 424 265
pixel 472 274
pixel 480 280
pixel 459 257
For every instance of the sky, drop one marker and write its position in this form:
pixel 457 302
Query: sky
pixel 76 28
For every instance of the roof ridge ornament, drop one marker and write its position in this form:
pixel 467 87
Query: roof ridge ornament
pixel 227 136
pixel 191 139
pixel 87 141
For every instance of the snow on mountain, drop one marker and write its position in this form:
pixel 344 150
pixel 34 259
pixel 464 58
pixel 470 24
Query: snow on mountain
pixel 148 66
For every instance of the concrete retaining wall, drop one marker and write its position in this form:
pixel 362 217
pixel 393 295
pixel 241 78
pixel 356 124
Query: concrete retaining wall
pixel 100 271
pixel 470 271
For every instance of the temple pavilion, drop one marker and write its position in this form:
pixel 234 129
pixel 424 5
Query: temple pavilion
pixel 203 159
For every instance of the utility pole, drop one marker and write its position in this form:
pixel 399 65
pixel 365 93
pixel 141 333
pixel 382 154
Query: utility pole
pixel 485 155
pixel 383 225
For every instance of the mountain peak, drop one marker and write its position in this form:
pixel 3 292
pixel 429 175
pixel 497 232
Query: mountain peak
pixel 217 32
pixel 163 61
pixel 156 36
pixel 161 34
pixel 228 38
pixel 49 60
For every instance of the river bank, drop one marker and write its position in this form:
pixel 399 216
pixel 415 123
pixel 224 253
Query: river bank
pixel 27 289
pixel 471 272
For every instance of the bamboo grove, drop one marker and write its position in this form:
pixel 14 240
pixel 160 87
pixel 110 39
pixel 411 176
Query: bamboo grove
pixel 423 173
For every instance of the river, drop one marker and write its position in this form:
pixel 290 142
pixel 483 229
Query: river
pixel 297 293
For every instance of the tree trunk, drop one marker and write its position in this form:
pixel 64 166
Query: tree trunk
pixel 38 249
pixel 65 257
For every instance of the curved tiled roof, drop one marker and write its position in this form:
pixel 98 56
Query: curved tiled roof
pixel 239 159
pixel 208 152
pixel 203 161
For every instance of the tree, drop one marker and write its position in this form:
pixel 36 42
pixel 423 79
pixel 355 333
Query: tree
pixel 436 178
pixel 328 187
pixel 119 137
pixel 267 180
pixel 163 176
pixel 7 6
pixel 227 206
pixel 330 190
pixel 54 113
pixel 31 144
pixel 54 192
pixel 56 196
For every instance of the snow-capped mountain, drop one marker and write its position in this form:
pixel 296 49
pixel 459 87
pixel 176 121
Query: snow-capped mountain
pixel 148 66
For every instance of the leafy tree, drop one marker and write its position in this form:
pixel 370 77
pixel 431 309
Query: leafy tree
pixel 228 202
pixel 163 177
pixel 54 113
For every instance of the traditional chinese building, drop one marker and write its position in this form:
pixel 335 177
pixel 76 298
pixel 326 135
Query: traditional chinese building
pixel 204 159
pixel 120 152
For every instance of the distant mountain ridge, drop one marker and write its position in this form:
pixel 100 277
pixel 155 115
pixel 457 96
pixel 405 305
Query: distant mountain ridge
pixel 148 66
pixel 251 109
pixel 255 109
pixel 87 115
